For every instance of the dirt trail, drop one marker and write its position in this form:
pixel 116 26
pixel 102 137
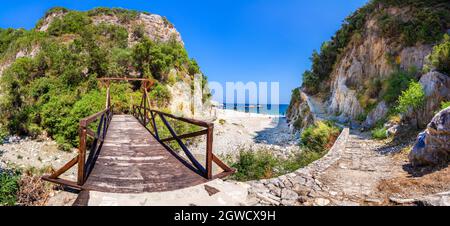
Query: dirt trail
pixel 354 178
pixel 371 172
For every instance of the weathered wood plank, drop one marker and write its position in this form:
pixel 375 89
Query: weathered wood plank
pixel 132 161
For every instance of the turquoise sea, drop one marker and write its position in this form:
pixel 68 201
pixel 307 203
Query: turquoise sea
pixel 269 109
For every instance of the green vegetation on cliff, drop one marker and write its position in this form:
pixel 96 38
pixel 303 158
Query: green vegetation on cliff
pixel 439 59
pixel 430 21
pixel 53 88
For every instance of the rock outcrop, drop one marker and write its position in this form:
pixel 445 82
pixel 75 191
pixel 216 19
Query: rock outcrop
pixel 365 62
pixel 187 100
pixel 154 26
pixel 433 145
pixel 299 113
pixel 380 111
pixel 437 90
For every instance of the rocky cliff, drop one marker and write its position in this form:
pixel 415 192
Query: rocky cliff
pixel 377 47
pixel 153 26
pixel 48 75
pixel 187 85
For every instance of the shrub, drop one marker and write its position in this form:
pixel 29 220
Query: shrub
pixel 389 25
pixel 413 98
pixel 316 140
pixel 445 105
pixel 310 82
pixel 193 67
pixel 3 134
pixel 7 36
pixel 138 31
pixel 263 164
pixel 303 159
pixel 120 62
pixel 71 23
pixel 368 96
pixel 439 59
pixel 160 95
pixel 379 133
pixel 255 165
pixel 393 87
pixel 9 186
pixel 124 15
pixel 319 137
pixel 56 9
pixel 118 35
pixel 56 119
pixel 427 25
pixel 361 117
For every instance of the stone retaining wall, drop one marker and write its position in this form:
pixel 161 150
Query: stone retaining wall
pixel 296 187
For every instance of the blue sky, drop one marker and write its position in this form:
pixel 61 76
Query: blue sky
pixel 233 40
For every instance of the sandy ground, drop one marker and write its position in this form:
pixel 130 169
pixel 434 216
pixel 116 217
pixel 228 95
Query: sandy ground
pixel 27 153
pixel 235 131
pixel 41 154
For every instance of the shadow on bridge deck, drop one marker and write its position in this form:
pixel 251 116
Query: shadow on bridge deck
pixel 131 160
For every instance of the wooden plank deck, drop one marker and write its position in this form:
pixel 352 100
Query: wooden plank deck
pixel 131 160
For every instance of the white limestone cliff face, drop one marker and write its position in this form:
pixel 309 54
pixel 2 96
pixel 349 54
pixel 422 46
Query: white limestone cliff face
pixel 187 99
pixel 299 114
pixel 369 61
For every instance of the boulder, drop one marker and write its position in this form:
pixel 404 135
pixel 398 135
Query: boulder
pixel 437 90
pixel 433 145
pixel 441 199
pixel 378 113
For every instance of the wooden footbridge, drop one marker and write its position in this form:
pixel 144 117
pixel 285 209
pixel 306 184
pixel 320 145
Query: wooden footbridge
pixel 126 153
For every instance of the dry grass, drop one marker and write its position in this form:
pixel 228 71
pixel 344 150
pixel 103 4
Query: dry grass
pixel 33 191
pixel 407 186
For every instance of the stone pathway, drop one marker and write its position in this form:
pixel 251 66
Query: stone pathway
pixel 213 193
pixel 354 178
pixel 348 175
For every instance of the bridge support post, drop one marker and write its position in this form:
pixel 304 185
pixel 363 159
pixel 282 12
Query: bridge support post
pixel 209 153
pixel 108 95
pixel 82 156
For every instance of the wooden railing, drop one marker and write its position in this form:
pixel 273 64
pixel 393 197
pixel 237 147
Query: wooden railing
pixel 148 117
pixel 85 165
